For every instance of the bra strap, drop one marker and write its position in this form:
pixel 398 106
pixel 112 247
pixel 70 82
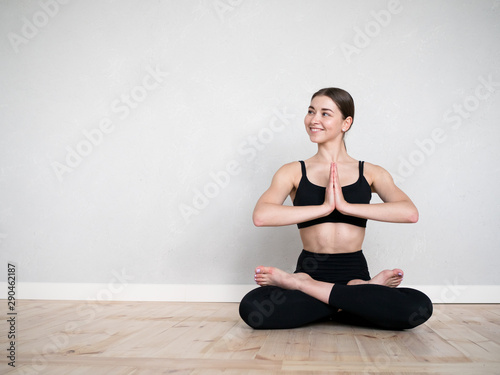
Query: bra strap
pixel 303 166
pixel 361 164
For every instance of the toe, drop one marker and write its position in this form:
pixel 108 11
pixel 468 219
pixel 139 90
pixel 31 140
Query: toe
pixel 259 269
pixel 264 270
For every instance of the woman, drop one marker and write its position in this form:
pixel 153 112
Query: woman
pixel 331 192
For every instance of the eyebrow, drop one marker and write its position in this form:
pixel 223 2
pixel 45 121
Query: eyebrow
pixel 323 109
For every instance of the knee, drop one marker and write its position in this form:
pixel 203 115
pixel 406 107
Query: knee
pixel 250 315
pixel 260 310
pixel 420 312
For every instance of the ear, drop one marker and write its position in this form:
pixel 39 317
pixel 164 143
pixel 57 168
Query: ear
pixel 346 125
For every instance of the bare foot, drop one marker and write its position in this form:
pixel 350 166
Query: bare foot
pixel 295 281
pixel 390 278
pixel 274 276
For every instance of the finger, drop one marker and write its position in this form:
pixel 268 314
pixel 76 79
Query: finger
pixel 332 174
pixel 330 190
pixel 336 184
pixel 335 176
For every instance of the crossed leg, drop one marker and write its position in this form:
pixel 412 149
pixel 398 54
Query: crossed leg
pixel 375 302
pixel 272 276
pixel 265 276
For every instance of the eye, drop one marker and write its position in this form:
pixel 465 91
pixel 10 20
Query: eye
pixel 310 112
pixel 326 114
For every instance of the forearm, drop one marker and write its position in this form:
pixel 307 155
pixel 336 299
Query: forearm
pixel 270 214
pixel 393 212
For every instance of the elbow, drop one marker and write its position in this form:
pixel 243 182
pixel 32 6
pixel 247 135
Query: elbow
pixel 258 220
pixel 258 223
pixel 260 215
pixel 413 216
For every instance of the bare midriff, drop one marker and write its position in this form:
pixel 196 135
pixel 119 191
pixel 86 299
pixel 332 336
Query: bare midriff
pixel 332 238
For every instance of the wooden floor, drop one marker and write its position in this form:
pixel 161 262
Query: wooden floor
pixel 70 337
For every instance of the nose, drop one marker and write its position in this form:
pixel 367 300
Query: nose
pixel 316 118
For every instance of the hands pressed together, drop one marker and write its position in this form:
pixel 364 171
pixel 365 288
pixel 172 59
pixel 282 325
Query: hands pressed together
pixel 334 198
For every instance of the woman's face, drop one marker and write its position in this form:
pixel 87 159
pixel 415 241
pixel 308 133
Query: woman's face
pixel 324 121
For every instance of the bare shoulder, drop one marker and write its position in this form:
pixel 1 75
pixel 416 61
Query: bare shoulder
pixel 289 173
pixel 377 176
pixel 382 183
pixel 284 183
pixel 290 167
pixel 374 172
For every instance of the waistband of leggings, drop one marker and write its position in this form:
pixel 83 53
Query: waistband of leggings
pixel 354 254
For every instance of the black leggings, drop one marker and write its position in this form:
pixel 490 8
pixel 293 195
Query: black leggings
pixel 271 307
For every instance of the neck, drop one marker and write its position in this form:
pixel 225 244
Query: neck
pixel 332 153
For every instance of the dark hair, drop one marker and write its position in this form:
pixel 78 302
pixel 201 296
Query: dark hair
pixel 341 98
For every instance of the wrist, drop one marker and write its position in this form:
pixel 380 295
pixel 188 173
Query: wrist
pixel 326 209
pixel 344 208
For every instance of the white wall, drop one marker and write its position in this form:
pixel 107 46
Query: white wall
pixel 175 94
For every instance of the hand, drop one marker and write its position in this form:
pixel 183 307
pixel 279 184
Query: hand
pixel 340 202
pixel 330 191
pixel 334 198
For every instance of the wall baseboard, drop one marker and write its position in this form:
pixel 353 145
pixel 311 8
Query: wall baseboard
pixel 212 293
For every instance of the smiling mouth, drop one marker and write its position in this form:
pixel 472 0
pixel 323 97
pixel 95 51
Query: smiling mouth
pixel 315 130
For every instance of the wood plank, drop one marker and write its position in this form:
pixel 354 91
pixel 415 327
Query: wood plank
pixel 394 368
pixel 60 337
pixel 240 342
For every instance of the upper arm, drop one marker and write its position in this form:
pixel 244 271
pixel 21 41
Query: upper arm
pixel 383 184
pixel 282 184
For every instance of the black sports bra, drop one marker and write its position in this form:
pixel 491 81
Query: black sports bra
pixel 309 194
